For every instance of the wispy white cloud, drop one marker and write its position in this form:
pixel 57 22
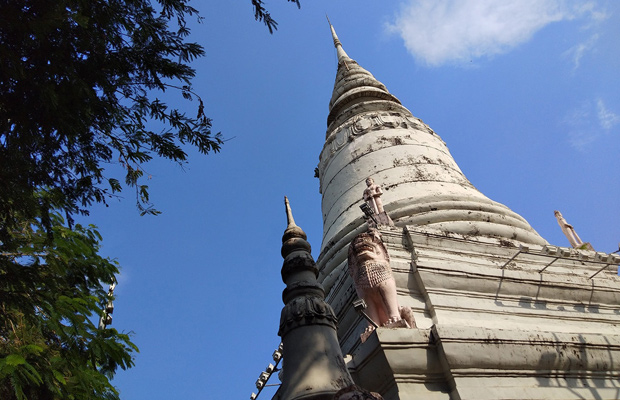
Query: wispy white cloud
pixel 606 118
pixel 576 52
pixel 441 31
pixel 593 17
pixel 589 122
pixel 593 11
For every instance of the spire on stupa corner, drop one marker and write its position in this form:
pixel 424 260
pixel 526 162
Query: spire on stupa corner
pixel 355 85
pixel 314 368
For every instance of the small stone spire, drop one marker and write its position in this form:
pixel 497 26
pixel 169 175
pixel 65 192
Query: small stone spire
pixel 314 368
pixel 294 238
pixel 289 215
pixel 570 233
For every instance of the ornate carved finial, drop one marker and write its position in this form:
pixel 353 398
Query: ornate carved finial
pixel 372 197
pixel 369 266
pixel 571 234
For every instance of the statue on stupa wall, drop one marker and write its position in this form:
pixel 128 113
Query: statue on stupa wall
pixel 369 266
pixel 372 197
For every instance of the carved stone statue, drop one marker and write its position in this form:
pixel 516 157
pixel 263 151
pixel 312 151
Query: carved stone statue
pixel 570 233
pixel 372 197
pixel 369 266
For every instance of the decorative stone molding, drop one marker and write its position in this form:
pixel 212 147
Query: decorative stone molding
pixel 355 392
pixel 306 311
pixel 367 122
pixel 297 263
pixel 302 288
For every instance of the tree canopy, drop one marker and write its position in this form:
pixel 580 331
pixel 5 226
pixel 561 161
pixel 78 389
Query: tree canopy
pixel 50 298
pixel 79 81
pixel 80 87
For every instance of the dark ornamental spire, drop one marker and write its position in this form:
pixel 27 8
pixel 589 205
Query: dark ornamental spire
pixel 314 368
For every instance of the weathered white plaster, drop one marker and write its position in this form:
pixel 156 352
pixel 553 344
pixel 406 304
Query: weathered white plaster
pixel 500 313
pixel 490 325
pixel 370 134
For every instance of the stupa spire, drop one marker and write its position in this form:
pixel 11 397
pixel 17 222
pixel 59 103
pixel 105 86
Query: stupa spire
pixel 353 86
pixel 337 43
pixel 371 135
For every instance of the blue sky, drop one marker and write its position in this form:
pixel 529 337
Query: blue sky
pixel 525 94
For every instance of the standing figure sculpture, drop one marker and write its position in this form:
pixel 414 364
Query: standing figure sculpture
pixel 570 233
pixel 369 266
pixel 372 197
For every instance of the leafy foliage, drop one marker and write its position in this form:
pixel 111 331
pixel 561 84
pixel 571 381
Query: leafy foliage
pixel 79 81
pixel 79 87
pixel 261 14
pixel 50 293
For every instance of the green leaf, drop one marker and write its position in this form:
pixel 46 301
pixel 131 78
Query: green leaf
pixel 14 359
pixel 59 377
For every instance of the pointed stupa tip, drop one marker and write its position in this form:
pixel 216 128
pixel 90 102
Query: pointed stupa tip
pixel 292 230
pixel 289 214
pixel 292 235
pixel 337 44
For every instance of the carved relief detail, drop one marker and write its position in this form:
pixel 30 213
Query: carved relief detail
pixel 355 392
pixel 362 124
pixel 310 310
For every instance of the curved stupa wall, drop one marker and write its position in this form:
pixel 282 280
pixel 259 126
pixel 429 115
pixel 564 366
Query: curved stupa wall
pixel 370 134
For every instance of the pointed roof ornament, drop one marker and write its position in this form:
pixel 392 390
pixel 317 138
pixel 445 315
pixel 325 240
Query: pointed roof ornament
pixel 571 234
pixel 337 44
pixel 294 238
pixel 356 90
pixel 289 214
